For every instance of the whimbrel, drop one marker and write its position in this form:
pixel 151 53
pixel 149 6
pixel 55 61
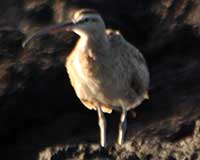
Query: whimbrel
pixel 106 72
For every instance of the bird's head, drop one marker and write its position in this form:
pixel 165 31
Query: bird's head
pixel 87 21
pixel 84 22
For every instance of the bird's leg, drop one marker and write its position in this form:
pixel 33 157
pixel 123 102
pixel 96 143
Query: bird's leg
pixel 122 126
pixel 102 126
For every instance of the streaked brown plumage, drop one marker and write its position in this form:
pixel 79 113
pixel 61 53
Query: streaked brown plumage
pixel 106 71
pixel 112 76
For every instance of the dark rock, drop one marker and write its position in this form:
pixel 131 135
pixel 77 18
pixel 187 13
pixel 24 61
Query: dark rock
pixel 40 115
pixel 40 14
pixel 194 156
pixel 149 157
pixel 171 158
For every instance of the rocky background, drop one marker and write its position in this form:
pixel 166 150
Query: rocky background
pixel 40 116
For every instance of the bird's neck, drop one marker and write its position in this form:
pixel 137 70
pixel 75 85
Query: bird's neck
pixel 95 41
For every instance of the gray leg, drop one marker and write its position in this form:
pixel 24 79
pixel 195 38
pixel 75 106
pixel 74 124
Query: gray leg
pixel 102 125
pixel 122 126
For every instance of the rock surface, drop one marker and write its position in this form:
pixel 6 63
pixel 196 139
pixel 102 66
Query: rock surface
pixel 40 116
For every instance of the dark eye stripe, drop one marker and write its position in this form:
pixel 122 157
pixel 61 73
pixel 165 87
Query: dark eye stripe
pixel 86 20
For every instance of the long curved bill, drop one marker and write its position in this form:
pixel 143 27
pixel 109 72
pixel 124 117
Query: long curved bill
pixel 48 30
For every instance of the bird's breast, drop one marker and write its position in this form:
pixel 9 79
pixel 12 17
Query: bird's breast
pixel 82 72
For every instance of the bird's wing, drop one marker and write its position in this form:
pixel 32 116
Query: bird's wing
pixel 132 68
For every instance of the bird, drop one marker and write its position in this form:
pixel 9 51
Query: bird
pixel 106 71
